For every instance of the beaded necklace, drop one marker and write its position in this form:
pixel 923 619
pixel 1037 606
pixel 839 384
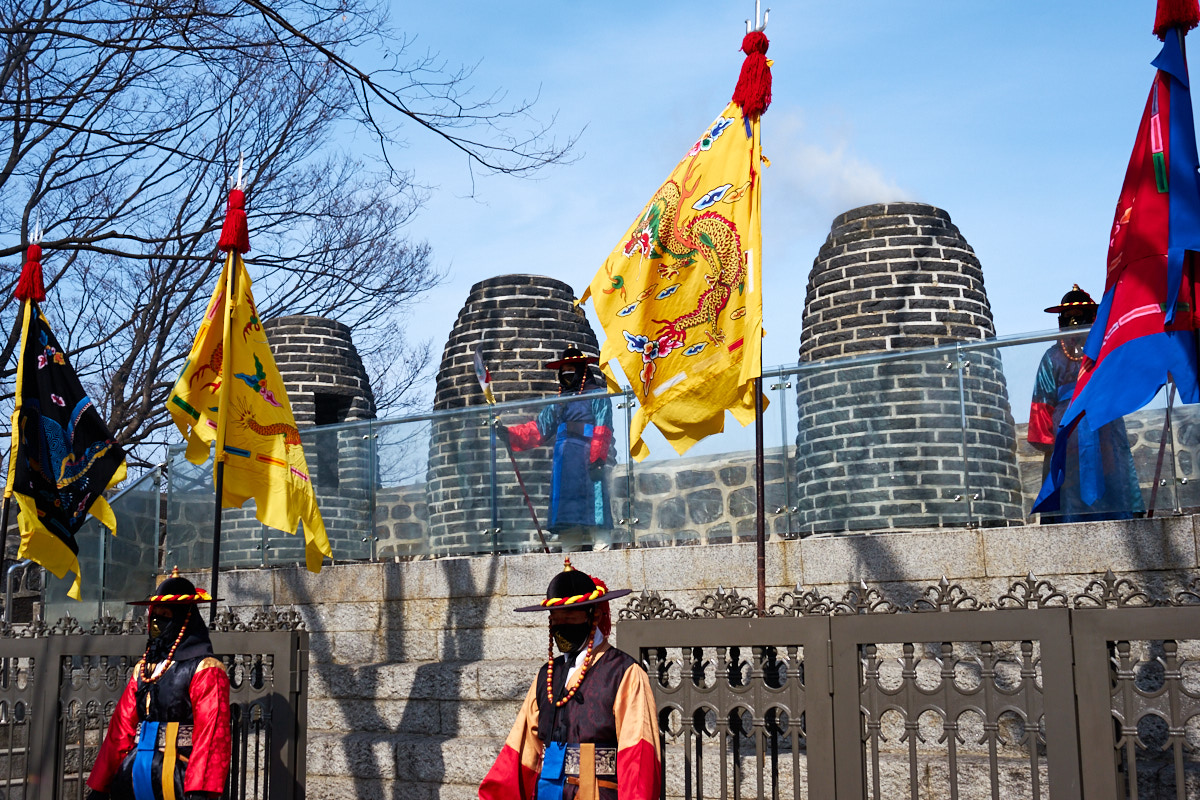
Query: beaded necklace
pixel 1063 346
pixel 587 662
pixel 147 676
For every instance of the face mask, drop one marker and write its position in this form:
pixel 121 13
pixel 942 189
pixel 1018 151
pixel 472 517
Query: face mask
pixel 159 624
pixel 571 378
pixel 571 638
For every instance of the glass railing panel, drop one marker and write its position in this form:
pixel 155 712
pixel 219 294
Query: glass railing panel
pixel 339 464
pixel 707 495
pixel 114 569
pixel 462 459
pixel 879 445
pixel 1004 470
pixel 622 472
pixel 1183 455
pixel 557 479
pixel 401 510
pixel 1038 378
pixel 191 504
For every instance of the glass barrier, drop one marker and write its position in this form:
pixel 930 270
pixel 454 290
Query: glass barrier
pixel 401 465
pixel 1033 382
pixel 889 441
pixel 114 569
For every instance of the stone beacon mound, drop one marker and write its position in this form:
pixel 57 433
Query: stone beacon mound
pixel 521 322
pixel 885 440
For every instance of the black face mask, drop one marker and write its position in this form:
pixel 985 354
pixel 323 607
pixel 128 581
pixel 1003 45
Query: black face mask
pixel 571 378
pixel 571 638
pixel 163 632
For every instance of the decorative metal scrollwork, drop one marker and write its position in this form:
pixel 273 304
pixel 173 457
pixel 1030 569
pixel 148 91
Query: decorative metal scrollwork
pixel 799 603
pixel 725 604
pixel 1031 593
pixel 651 605
pixel 1188 596
pixel 1110 592
pixel 946 596
pixel 863 600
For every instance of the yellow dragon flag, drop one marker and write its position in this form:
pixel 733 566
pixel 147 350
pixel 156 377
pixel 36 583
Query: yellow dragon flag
pixel 231 383
pixel 680 298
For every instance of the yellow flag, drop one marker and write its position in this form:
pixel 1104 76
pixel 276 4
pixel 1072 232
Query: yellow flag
pixel 680 297
pixel 231 384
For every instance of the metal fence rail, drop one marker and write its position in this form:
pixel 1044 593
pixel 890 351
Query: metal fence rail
pixel 59 686
pixel 1036 694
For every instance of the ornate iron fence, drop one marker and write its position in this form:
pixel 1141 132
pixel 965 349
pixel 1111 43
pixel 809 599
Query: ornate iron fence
pixel 1038 693
pixel 60 684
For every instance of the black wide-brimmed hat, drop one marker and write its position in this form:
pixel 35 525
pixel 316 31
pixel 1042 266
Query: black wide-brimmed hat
pixel 1076 300
pixel 574 589
pixel 571 355
pixel 175 590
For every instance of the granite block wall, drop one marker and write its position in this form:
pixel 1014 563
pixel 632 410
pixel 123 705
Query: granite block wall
pixel 417 668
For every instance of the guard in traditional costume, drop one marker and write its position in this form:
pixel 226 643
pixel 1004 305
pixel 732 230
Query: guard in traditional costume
pixel 582 434
pixel 1119 496
pixel 169 737
pixel 588 728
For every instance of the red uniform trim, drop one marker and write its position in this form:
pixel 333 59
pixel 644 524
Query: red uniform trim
pixel 525 436
pixel 501 782
pixel 119 739
pixel 602 437
pixel 212 743
pixel 639 772
pixel 1041 424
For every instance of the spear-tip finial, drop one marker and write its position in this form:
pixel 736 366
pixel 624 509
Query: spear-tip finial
pixel 755 25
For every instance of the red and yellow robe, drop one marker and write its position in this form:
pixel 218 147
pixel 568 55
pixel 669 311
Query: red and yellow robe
pixel 617 709
pixel 205 694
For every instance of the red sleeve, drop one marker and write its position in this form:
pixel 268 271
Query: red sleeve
pixel 211 740
pixel 1041 424
pixel 525 436
pixel 601 441
pixel 639 762
pixel 119 739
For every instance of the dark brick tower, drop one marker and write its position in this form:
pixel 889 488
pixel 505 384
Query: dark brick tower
pixel 882 445
pixel 522 321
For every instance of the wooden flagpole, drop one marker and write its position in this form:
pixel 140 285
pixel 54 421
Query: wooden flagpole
pixel 222 423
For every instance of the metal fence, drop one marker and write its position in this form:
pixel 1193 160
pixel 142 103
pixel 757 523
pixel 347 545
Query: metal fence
pixel 1035 694
pixel 59 686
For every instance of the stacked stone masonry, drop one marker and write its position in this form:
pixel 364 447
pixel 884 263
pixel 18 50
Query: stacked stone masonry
pixel 881 445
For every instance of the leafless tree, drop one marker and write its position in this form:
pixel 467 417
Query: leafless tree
pixel 125 119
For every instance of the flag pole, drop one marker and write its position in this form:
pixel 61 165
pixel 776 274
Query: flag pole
pixel 13 339
pixel 222 423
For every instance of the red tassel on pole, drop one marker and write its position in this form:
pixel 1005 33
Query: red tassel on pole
pixel 753 91
pixel 234 234
pixel 30 285
pixel 1176 14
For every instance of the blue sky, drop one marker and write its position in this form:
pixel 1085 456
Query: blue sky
pixel 1016 117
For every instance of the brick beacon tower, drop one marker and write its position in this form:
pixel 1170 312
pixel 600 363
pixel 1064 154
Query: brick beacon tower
pixel 523 321
pixel 326 384
pixel 881 445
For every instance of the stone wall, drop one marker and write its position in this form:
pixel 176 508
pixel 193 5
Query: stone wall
pixel 881 443
pixel 417 668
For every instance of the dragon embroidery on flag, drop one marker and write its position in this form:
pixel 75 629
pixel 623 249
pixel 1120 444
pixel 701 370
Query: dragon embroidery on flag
pixel 660 234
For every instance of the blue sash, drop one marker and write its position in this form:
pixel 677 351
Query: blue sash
pixel 551 782
pixel 143 762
